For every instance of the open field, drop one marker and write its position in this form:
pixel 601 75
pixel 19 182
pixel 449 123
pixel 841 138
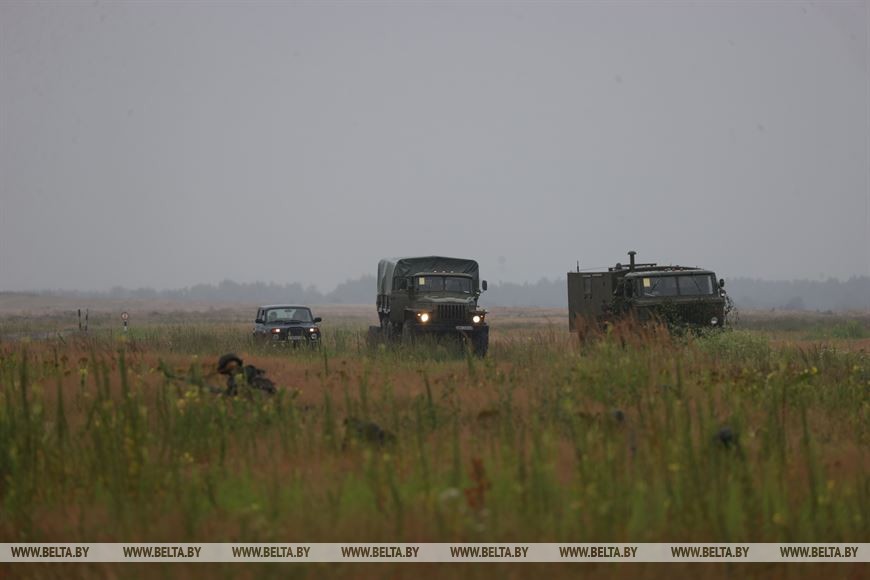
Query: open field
pixel 755 435
pixel 40 317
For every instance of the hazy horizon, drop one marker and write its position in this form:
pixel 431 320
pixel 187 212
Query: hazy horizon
pixel 330 289
pixel 164 144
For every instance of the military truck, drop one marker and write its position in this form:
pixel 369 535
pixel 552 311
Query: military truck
pixel 431 296
pixel 676 295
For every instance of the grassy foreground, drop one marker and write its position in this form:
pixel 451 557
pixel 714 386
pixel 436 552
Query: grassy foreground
pixel 625 439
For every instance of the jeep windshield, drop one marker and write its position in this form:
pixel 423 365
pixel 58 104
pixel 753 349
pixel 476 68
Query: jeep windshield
pixel 687 285
pixel 288 315
pixel 443 284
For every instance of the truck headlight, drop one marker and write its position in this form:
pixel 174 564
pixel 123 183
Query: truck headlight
pixel 476 318
pixel 276 330
pixel 714 321
pixel 424 317
pixel 312 329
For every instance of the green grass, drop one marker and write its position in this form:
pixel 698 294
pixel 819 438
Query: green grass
pixel 116 437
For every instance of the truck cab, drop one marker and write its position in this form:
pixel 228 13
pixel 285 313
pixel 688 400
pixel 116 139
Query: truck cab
pixel 676 295
pixel 434 296
pixel 692 296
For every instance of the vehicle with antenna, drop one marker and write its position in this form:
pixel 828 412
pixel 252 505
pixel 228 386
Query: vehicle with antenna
pixel 676 295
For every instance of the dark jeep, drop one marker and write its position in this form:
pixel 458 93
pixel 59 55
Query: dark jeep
pixel 287 324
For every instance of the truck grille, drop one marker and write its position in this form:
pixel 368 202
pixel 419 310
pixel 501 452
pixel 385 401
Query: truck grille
pixel 452 312
pixel 294 331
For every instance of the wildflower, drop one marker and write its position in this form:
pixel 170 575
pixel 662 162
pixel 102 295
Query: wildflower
pixel 449 495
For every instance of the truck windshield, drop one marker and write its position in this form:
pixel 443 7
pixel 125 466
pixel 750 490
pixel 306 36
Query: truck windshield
pixel 699 285
pixel 443 284
pixel 652 286
pixel 693 285
pixel 288 314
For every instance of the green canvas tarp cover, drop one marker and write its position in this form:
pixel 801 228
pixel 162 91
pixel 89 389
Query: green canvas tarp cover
pixel 400 267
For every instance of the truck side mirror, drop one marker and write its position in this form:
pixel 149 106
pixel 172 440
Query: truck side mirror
pixel 721 282
pixel 317 319
pixel 483 285
pixel 258 321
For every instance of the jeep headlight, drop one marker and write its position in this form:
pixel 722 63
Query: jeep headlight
pixel 424 317
pixel 714 321
pixel 477 318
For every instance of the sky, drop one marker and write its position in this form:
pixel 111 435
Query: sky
pixel 169 144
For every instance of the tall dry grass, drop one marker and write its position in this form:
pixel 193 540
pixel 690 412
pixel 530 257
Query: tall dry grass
pixel 632 436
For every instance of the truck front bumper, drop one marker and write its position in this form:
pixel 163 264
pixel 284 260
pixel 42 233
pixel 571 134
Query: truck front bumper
pixel 445 329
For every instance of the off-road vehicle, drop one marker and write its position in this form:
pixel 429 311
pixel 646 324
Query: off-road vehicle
pixel 287 324
pixel 431 296
pixel 676 295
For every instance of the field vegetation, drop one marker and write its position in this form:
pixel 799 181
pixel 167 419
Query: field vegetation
pixel 636 436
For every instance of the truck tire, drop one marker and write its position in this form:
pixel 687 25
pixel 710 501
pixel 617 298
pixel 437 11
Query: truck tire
pixel 408 334
pixel 375 336
pixel 480 342
pixel 389 331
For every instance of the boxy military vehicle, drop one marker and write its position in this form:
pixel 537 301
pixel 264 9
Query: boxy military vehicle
pixel 431 296
pixel 675 295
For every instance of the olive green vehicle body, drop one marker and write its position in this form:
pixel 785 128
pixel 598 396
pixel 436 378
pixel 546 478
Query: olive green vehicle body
pixel 431 296
pixel 676 295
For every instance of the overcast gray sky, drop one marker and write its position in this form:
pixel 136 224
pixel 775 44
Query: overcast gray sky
pixel 166 144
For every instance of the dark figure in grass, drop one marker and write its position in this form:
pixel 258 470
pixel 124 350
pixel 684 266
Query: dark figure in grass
pixel 239 374
pixel 358 431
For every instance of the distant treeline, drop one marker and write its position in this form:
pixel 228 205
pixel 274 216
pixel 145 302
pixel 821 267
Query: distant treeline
pixel 748 293
pixel 822 295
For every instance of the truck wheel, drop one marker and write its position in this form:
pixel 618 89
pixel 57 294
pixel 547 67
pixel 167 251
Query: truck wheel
pixel 480 342
pixel 375 336
pixel 388 330
pixel 408 334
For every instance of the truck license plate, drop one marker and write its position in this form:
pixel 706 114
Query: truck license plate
pixel 464 328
